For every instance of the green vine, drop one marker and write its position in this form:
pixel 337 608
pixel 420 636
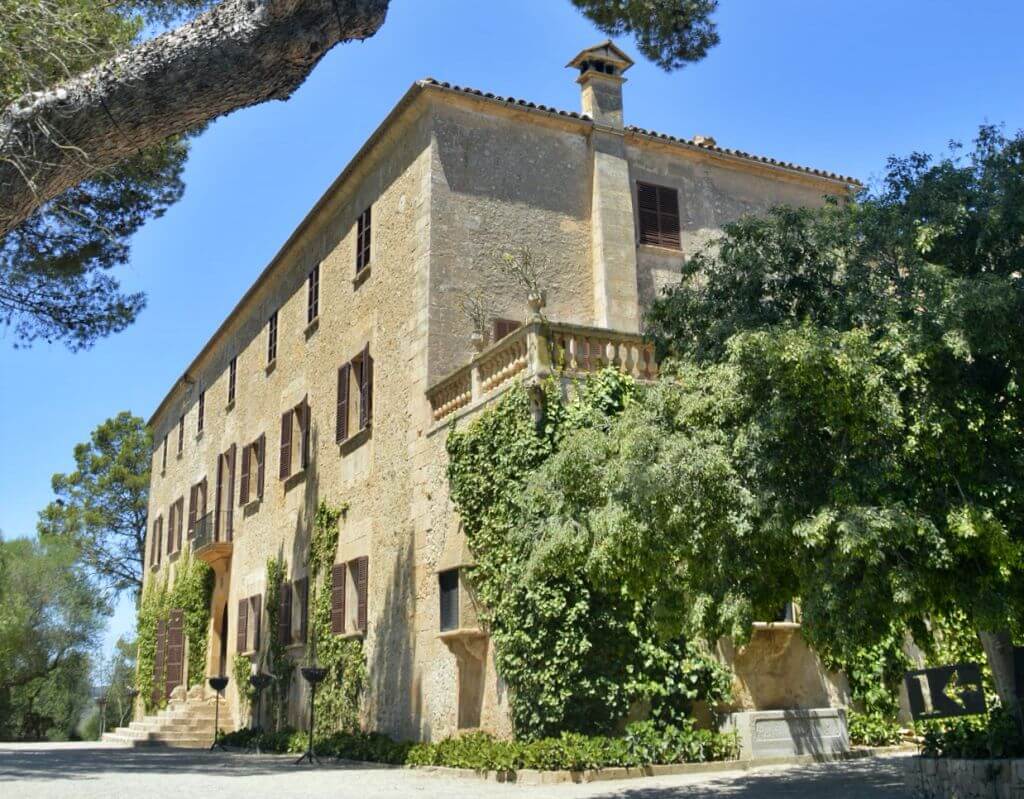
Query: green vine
pixel 191 592
pixel 279 665
pixel 337 697
pixel 241 671
pixel 577 655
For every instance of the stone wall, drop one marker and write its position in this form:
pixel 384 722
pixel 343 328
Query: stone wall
pixel 948 778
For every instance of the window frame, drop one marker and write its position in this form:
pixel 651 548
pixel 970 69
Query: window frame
pixel 364 239
pixel 453 593
pixel 358 374
pixel 232 380
pixel 272 338
pixel 667 231
pixel 313 295
pixel 202 412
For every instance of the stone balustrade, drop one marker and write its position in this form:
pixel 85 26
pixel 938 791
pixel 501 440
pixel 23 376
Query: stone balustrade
pixel 535 351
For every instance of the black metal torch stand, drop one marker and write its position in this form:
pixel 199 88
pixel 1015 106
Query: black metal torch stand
pixel 218 684
pixel 312 675
pixel 258 682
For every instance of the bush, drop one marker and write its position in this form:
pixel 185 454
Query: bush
pixel 643 744
pixel 873 729
pixel 995 735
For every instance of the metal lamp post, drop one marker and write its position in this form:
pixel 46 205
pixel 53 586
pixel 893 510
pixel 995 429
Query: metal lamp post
pixel 313 675
pixel 259 682
pixel 132 694
pixel 101 703
pixel 218 684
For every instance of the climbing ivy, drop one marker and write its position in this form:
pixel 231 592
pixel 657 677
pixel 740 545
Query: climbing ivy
pixel 241 671
pixel 191 592
pixel 337 697
pixel 279 665
pixel 577 655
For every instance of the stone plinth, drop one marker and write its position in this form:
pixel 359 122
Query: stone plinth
pixel 771 733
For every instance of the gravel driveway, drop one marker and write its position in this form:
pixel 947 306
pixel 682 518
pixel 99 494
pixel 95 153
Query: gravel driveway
pixel 98 771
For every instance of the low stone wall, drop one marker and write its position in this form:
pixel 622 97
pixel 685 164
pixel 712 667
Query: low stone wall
pixel 949 778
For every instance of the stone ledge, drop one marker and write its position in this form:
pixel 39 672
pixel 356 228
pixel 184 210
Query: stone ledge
pixel 956 778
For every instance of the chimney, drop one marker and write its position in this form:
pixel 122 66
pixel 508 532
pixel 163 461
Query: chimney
pixel 601 68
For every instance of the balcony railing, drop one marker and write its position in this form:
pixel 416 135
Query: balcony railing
pixel 536 350
pixel 211 538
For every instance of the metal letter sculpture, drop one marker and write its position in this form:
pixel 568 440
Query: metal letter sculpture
pixel 945 692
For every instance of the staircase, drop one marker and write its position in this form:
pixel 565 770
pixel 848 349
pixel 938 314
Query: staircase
pixel 187 722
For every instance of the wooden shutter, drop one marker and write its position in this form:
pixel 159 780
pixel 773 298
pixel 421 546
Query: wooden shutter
pixel 218 498
pixel 284 615
pixel 174 652
pixel 365 388
pixel 647 202
pixel 256 620
pixel 159 539
pixel 362 575
pixel 180 520
pixel 658 214
pixel 305 428
pixel 242 634
pixel 170 529
pixel 341 431
pixel 286 444
pixel 302 597
pixel 243 484
pixel 202 494
pixel 338 598
pixel 193 509
pixel 158 662
pixel 261 455
pixel 668 216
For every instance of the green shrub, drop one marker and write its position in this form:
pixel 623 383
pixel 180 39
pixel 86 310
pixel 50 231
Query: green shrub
pixel 992 736
pixel 873 729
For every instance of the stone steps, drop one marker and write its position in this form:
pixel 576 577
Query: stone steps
pixel 185 724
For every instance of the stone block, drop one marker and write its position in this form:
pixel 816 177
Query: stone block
pixel 773 733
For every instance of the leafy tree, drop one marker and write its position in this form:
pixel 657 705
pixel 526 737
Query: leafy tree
pixel 92 120
pixel 50 620
pixel 101 506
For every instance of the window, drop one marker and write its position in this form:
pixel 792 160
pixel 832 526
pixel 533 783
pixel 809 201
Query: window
pixel 223 520
pixel 448 582
pixel 196 505
pixel 658 215
pixel 363 241
pixel 284 613
pixel 174 525
pixel 295 436
pixel 355 396
pixel 348 596
pixel 272 338
pixel 232 376
pixel 156 543
pixel 313 295
pixel 163 458
pixel 300 610
pixel 202 412
pixel 181 434
pixel 250 618
pixel 502 327
pixel 253 458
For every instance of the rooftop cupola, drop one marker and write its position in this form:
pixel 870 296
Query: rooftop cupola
pixel 601 68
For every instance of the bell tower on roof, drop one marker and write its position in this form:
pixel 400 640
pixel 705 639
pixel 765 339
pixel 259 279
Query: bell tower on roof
pixel 601 69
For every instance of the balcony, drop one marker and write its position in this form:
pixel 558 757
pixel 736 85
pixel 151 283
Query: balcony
pixel 533 352
pixel 211 539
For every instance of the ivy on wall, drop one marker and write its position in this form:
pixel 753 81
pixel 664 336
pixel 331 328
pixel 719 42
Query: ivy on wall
pixel 337 697
pixel 279 666
pixel 191 592
pixel 578 656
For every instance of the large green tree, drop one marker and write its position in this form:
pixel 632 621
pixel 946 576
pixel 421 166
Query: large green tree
pixel 92 115
pixel 101 506
pixel 841 421
pixel 51 619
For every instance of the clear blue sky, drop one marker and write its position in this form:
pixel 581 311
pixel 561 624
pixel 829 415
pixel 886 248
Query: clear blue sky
pixel 838 85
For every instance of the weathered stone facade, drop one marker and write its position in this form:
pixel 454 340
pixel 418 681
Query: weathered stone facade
pixel 451 176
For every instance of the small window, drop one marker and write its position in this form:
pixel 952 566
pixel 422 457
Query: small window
pixel 272 338
pixel 295 424
pixel 363 234
pixel 313 295
pixel 196 506
pixel 202 412
pixel 181 433
pixel 251 482
pixel 502 327
pixel 449 588
pixel 163 457
pixel 356 595
pixel 250 618
pixel 175 519
pixel 232 377
pixel 658 214
pixel 355 396
pixel 156 545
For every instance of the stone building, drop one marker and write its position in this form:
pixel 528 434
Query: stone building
pixel 339 371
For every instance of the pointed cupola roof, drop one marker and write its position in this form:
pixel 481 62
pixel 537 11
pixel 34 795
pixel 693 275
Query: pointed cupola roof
pixel 604 53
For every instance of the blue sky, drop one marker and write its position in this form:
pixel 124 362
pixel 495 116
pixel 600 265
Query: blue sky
pixel 839 85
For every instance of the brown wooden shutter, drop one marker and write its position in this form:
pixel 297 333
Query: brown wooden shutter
pixel 242 634
pixel 658 215
pixel 243 485
pixel 261 454
pixel 180 519
pixel 341 429
pixel 647 202
pixel 257 620
pixel 170 529
pixel 286 445
pixel 229 521
pixel 175 650
pixel 203 494
pixel 218 498
pixel 284 615
pixel 365 388
pixel 158 662
pixel 193 509
pixel 305 428
pixel 362 579
pixel 668 216
pixel 338 598
pixel 302 596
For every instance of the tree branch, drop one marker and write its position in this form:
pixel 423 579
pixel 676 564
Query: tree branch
pixel 240 53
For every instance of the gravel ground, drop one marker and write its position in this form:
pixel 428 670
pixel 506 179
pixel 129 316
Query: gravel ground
pixel 98 771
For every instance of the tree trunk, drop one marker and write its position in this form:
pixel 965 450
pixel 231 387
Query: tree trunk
pixel 998 648
pixel 240 53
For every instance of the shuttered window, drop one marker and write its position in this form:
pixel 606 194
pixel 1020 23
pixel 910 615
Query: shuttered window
pixel 338 598
pixel 448 584
pixel 300 597
pixel 223 520
pixel 363 236
pixel 156 545
pixel 175 519
pixel 313 295
pixel 284 615
pixel 658 215
pixel 355 395
pixel 181 434
pixel 202 412
pixel 232 379
pixel 295 435
pixel 256 620
pixel 341 426
pixel 163 457
pixel 250 485
pixel 170 528
pixel 286 444
pixel 362 582
pixel 242 633
pixel 272 338
pixel 196 505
